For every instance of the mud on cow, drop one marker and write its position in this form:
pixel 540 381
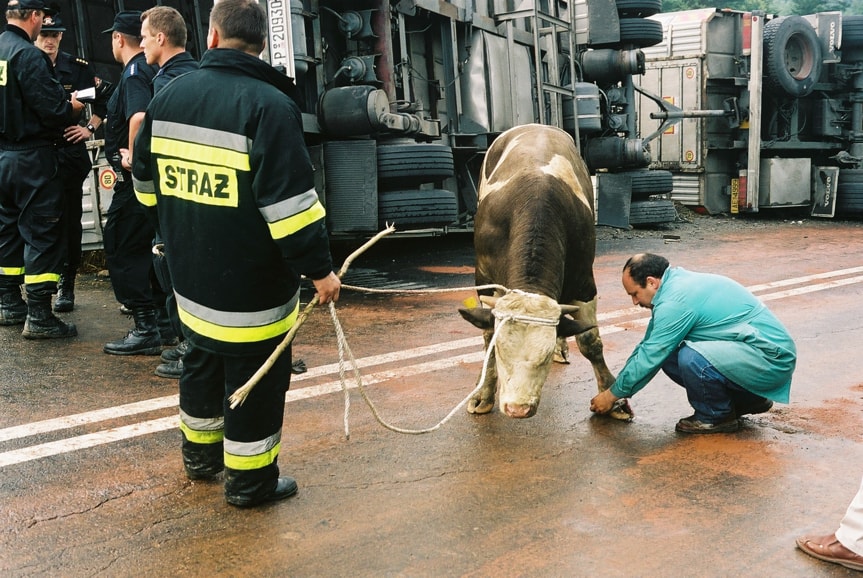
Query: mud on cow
pixel 534 235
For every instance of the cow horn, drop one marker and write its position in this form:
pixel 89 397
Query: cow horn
pixel 489 300
pixel 568 309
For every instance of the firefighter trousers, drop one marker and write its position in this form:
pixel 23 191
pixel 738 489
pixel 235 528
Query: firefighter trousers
pixel 245 440
pixel 75 166
pixel 32 246
pixel 128 240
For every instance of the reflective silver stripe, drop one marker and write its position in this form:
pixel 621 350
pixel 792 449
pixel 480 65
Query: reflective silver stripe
pixel 290 207
pixel 252 448
pixel 202 423
pixel 238 318
pixel 143 186
pixel 200 135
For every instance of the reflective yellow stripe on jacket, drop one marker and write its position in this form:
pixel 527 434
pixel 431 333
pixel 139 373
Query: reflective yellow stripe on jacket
pixel 289 216
pixel 238 326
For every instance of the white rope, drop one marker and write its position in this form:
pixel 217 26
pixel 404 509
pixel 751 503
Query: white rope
pixel 444 290
pixel 345 348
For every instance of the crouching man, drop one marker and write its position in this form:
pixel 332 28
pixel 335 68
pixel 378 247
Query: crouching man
pixel 710 335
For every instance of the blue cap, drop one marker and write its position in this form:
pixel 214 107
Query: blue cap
pixel 127 22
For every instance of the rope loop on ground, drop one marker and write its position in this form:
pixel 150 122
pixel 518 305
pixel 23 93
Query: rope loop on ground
pixel 344 348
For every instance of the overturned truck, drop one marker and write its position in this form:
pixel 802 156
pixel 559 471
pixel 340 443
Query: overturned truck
pixel 757 111
pixel 402 99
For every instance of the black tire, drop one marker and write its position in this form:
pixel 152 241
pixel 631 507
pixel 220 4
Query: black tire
pixel 646 182
pixel 417 208
pixel 652 212
pixel 849 191
pixel 792 56
pixel 852 33
pixel 638 8
pixel 413 164
pixel 640 32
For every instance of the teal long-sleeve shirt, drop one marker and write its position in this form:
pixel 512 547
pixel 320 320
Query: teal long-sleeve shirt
pixel 724 322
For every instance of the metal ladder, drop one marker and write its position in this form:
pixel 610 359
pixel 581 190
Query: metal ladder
pixel 548 20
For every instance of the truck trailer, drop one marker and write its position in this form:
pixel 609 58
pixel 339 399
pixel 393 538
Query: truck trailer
pixel 757 111
pixel 401 98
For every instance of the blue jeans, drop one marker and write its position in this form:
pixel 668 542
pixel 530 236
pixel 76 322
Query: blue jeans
pixel 714 397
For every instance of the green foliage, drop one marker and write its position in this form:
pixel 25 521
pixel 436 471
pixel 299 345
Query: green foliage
pixel 781 7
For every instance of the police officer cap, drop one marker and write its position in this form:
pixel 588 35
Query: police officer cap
pixel 31 5
pixel 127 22
pixel 52 24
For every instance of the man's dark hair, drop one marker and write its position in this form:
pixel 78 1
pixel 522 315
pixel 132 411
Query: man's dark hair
pixel 645 265
pixel 241 23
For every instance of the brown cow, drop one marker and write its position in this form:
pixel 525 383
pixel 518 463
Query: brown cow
pixel 534 234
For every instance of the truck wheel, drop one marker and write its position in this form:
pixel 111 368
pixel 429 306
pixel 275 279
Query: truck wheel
pixel 640 32
pixel 638 8
pixel 409 165
pixel 849 191
pixel 652 212
pixel 646 182
pixel 792 56
pixel 417 208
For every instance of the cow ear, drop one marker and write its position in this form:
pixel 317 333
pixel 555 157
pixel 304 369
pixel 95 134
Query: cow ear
pixel 478 317
pixel 568 327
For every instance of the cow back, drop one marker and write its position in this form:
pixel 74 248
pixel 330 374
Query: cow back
pixel 534 226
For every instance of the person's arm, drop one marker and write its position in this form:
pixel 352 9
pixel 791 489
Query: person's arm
pixel 134 126
pixel 284 190
pixel 670 324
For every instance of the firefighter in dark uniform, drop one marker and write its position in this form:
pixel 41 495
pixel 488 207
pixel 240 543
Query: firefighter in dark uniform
pixel 34 110
pixel 75 164
pixel 163 33
pixel 128 233
pixel 232 187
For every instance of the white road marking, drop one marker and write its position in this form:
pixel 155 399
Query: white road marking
pixel 83 441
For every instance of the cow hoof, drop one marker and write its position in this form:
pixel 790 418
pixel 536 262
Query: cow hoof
pixel 621 410
pixel 479 406
pixel 558 358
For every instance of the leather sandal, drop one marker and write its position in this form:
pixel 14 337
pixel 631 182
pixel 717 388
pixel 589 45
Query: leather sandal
pixel 829 549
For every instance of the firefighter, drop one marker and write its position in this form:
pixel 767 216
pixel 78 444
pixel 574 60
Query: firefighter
pixel 128 233
pixel 34 110
pixel 75 164
pixel 163 33
pixel 232 187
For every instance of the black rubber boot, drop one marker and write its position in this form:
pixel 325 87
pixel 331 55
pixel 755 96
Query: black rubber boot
pixel 42 324
pixel 247 489
pixel 66 295
pixel 175 353
pixel 170 369
pixel 142 340
pixel 203 461
pixel 13 310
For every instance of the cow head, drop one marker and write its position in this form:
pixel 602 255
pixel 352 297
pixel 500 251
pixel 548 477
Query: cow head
pixel 528 326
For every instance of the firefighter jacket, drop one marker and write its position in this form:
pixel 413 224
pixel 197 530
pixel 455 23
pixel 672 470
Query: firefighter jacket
pixel 33 105
pixel 221 160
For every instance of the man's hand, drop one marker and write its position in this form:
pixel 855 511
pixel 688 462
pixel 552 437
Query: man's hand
pixel 126 159
pixel 328 288
pixel 76 134
pixel 77 105
pixel 603 402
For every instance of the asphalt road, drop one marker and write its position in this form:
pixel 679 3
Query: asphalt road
pixel 91 481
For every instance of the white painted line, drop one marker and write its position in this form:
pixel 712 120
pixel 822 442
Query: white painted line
pixel 162 424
